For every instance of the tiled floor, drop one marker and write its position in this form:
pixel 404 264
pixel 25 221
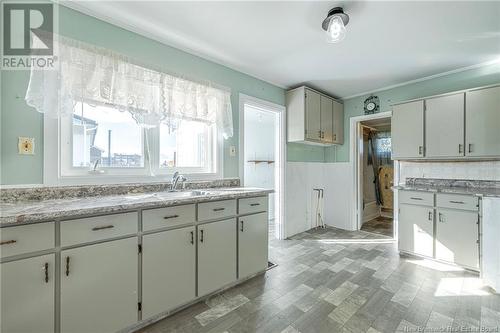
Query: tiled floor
pixel 380 225
pixel 338 281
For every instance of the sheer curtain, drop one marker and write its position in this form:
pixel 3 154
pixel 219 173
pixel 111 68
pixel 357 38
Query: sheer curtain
pixel 98 75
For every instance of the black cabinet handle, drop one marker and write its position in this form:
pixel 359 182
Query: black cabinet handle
pixel 12 241
pixel 67 266
pixel 241 226
pixel 103 227
pixel 414 198
pixel 170 217
pixel 192 237
pixel 201 236
pixel 255 204
pixel 430 216
pixel 457 202
pixel 218 209
pixel 46 269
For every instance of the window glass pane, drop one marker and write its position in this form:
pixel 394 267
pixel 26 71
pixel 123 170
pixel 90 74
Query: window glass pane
pixel 106 134
pixel 188 145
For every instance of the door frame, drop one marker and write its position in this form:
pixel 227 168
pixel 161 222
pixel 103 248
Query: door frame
pixel 280 159
pixel 356 166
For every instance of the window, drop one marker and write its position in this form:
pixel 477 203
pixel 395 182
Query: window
pixel 106 135
pixel 103 134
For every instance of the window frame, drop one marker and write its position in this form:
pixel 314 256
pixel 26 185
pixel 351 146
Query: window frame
pixel 58 168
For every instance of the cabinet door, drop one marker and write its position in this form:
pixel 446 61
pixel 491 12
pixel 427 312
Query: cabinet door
pixel 444 126
pixel 338 122
pixel 416 229
pixel 482 122
pixel 99 287
pixel 408 130
pixel 456 237
pixel 326 119
pixel 168 270
pixel 28 295
pixel 252 244
pixel 313 115
pixel 216 255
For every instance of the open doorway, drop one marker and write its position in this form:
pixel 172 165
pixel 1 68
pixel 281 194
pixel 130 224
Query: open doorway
pixel 262 154
pixel 374 174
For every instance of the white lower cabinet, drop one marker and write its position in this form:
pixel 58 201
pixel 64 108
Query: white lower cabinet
pixel 416 229
pixel 252 244
pixel 216 255
pixel 28 295
pixel 168 270
pixel 457 237
pixel 99 287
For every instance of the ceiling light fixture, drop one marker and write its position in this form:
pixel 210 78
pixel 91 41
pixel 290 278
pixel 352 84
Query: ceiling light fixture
pixel 334 24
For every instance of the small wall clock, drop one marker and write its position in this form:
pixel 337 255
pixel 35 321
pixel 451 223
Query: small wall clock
pixel 371 105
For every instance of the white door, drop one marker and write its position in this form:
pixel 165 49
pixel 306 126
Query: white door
pixel 444 126
pixel 457 237
pixel 168 270
pixel 216 255
pixel 408 130
pixel 416 229
pixel 313 115
pixel 326 119
pixel 28 295
pixel 252 244
pixel 99 287
pixel 482 122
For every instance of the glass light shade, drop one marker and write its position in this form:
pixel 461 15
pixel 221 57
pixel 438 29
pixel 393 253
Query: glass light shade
pixel 336 30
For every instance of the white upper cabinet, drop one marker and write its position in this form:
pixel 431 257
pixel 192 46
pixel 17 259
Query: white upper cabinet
pixel 326 119
pixel 463 125
pixel 338 122
pixel 444 126
pixel 314 117
pixel 408 130
pixel 482 122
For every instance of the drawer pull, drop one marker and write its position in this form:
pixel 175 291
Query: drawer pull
pixel 67 266
pixel 201 236
pixel 255 204
pixel 415 198
pixel 192 237
pixel 171 217
pixel 46 270
pixel 12 241
pixel 218 209
pixel 241 226
pixel 457 202
pixel 103 227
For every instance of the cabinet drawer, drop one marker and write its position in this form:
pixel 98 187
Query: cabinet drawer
pixel 457 201
pixel 26 238
pixel 97 228
pixel 216 210
pixel 168 217
pixel 252 205
pixel 416 198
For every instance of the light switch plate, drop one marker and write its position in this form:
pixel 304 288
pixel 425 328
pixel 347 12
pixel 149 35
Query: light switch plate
pixel 232 151
pixel 26 146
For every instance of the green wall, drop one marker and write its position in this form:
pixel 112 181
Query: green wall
pixel 17 119
pixel 481 76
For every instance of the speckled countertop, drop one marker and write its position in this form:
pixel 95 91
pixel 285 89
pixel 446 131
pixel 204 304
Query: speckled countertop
pixel 24 212
pixel 478 187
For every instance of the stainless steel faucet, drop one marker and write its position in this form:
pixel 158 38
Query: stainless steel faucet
pixel 176 177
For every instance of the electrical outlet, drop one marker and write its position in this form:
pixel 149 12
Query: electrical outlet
pixel 26 146
pixel 232 151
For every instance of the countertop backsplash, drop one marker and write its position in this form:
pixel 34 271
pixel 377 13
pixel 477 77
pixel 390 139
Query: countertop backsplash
pixel 477 170
pixel 80 191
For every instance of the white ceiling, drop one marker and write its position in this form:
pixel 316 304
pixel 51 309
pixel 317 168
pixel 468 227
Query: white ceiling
pixel 387 43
